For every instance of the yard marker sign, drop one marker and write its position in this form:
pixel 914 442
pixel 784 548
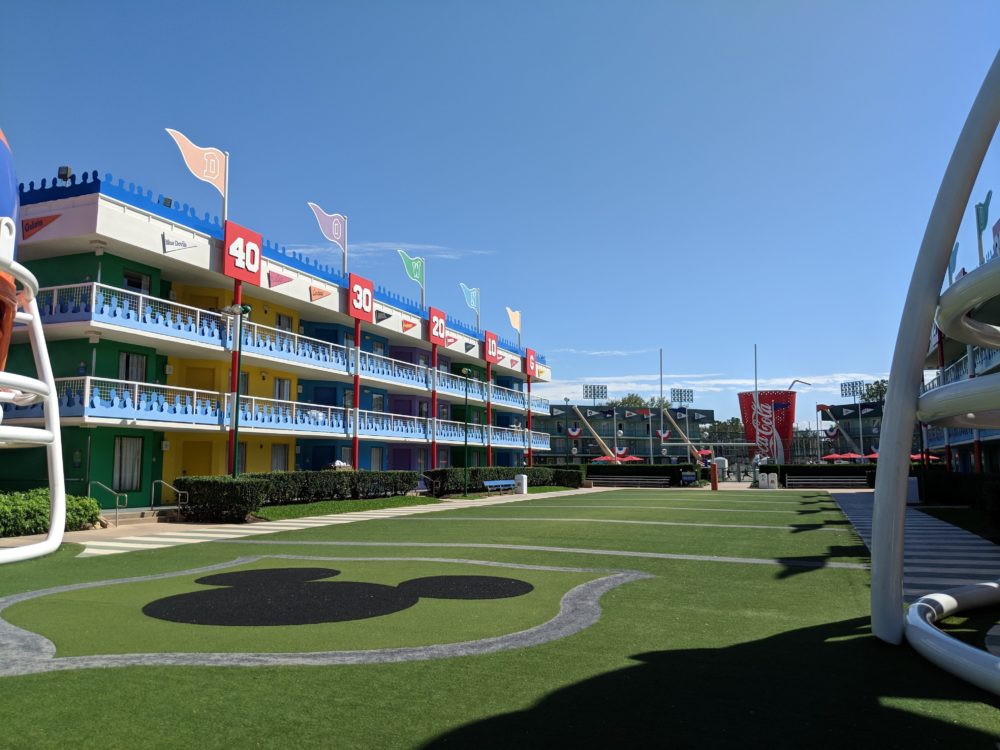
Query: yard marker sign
pixel 491 348
pixel 436 326
pixel 241 258
pixel 361 298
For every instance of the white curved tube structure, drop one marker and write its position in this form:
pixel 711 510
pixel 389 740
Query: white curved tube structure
pixel 22 391
pixel 911 347
pixel 979 667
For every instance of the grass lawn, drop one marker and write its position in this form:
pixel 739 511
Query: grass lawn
pixel 328 507
pixel 732 626
pixel 531 491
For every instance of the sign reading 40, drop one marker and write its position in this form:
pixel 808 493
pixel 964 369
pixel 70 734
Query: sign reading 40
pixel 241 256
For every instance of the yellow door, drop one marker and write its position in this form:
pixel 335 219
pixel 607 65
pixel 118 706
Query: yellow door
pixel 197 458
pixel 200 378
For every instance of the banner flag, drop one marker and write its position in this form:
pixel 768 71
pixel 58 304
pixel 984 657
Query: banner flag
pixel 574 432
pixel 333 226
pixel 983 213
pixel 768 420
pixel 207 164
pixel 621 451
pixel 664 435
pixel 515 319
pixel 414 268
pixel 832 432
pixel 471 296
pixel 277 279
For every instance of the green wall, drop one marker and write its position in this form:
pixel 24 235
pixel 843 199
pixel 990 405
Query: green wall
pixel 69 357
pixel 86 267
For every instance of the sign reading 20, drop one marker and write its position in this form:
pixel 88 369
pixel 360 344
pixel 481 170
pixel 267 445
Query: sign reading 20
pixel 436 326
pixel 361 298
pixel 241 258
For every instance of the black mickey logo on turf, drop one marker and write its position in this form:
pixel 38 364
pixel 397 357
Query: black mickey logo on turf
pixel 298 596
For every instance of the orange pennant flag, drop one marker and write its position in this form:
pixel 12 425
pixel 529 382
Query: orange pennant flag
pixel 316 293
pixel 207 164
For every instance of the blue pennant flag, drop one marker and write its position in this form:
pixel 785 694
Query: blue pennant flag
pixel 471 296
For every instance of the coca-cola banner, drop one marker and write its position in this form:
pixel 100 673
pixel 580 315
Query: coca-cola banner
pixel 768 417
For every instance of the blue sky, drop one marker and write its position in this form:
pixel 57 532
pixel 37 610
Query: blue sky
pixel 697 176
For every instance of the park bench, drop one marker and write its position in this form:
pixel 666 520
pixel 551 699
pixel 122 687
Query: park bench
pixel 630 481
pixel 498 485
pixel 688 478
pixel 792 482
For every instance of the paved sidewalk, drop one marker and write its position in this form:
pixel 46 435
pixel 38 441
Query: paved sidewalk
pixel 143 536
pixel 937 555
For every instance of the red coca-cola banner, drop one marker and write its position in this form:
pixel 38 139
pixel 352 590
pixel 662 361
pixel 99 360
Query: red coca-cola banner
pixel 769 423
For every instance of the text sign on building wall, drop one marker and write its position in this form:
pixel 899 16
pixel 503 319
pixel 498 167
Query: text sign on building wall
pixel 530 363
pixel 436 326
pixel 241 258
pixel 598 392
pixel 491 348
pixel 361 298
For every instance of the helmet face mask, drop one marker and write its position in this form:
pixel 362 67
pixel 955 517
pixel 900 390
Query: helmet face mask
pixel 20 306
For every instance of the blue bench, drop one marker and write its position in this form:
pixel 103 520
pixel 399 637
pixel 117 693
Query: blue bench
pixel 688 478
pixel 499 485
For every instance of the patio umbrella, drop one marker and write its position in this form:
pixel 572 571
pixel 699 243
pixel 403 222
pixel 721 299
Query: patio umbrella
pixel 872 455
pixel 604 460
pixel 704 452
pixel 832 457
pixel 918 457
pixel 623 459
pixel 851 456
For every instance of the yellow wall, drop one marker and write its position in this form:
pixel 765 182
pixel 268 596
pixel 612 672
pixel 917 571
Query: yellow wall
pixel 264 313
pixel 195 454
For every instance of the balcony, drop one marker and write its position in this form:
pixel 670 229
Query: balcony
pixel 130 403
pixel 166 321
pixel 985 359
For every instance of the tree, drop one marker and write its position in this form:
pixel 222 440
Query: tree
pixel 726 431
pixel 629 400
pixel 876 391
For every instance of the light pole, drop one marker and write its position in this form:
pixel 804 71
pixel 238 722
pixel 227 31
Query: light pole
pixel 238 311
pixel 569 445
pixel 465 469
pixel 856 388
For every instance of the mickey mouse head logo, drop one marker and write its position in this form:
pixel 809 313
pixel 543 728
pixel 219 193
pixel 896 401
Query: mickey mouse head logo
pixel 302 596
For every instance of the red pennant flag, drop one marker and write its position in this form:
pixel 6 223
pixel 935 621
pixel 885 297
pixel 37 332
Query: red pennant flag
pixel 514 361
pixel 277 279
pixel 33 226
pixel 316 293
pixel 407 325
pixel 449 340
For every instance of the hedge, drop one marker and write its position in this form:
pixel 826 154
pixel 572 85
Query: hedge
pixel 837 470
pixel 452 481
pixel 222 498
pixel 673 471
pixel 25 513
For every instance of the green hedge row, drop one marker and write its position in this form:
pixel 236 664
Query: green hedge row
pixel 222 498
pixel 841 470
pixel 25 513
pixel 673 471
pixel 452 481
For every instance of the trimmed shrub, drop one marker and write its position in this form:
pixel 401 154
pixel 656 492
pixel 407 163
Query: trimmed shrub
pixel 222 498
pixel 452 481
pixel 567 477
pixel 673 471
pixel 24 513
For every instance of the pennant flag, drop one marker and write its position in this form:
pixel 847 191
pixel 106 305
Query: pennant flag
pixel 34 226
pixel 414 268
pixel 469 347
pixel 514 361
pixel 471 296
pixel 867 410
pixel 207 164
pixel 610 414
pixel 407 325
pixel 983 213
pixel 848 411
pixel 574 432
pixel 681 412
pixel 449 340
pixel 316 293
pixel 591 413
pixel 333 226
pixel 629 414
pixel 952 261
pixel 699 415
pixel 381 315
pixel 822 407
pixel 556 412
pixel 515 319
pixel 277 279
pixel 642 412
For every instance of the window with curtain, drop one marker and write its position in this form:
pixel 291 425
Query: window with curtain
pixel 345 454
pixel 135 281
pixel 132 366
pixel 376 459
pixel 423 409
pixel 349 399
pixel 283 389
pixel 378 402
pixel 241 458
pixel 378 348
pixel 279 457
pixel 283 322
pixel 127 476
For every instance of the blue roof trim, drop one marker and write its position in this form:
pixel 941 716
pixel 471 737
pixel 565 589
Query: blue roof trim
pixel 186 215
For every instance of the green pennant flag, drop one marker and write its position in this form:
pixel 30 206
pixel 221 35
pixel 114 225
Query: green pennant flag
pixel 983 213
pixel 414 268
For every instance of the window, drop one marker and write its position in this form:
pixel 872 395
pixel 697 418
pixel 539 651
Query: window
pixel 558 426
pixel 421 460
pixel 442 411
pixel 422 360
pixel 132 366
pixel 135 281
pixel 127 464
pixel 283 322
pixel 279 457
pixel 349 340
pixel 475 417
pixel 475 458
pixel 349 399
pixel 244 383
pixel 378 402
pixel 378 348
pixel 376 459
pixel 345 454
pixel 241 458
pixel 423 409
pixel 443 458
pixel 283 389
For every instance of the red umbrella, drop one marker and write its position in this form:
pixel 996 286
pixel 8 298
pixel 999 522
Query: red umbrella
pixel 630 458
pixel 832 456
pixel 604 460
pixel 704 452
pixel 918 457
pixel 872 455
pixel 851 456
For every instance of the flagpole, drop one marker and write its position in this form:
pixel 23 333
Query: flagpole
pixel 756 400
pixel 234 367
pixel 661 397
pixel 344 266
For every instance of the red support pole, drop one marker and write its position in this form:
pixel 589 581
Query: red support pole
pixel 355 450
pixel 531 455
pixel 947 445
pixel 977 446
pixel 715 477
pixel 234 379
pixel 489 413
pixel 434 406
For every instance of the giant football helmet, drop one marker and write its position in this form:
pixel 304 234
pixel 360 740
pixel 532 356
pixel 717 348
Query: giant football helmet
pixel 17 305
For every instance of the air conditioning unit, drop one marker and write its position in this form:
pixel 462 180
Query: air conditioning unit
pixel 164 445
pixel 168 369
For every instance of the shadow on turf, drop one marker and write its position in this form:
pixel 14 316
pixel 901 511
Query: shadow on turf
pixel 819 687
pixel 805 563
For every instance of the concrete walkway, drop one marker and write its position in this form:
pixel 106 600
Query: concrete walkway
pixel 142 536
pixel 937 555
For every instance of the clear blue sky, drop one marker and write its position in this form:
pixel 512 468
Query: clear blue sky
pixel 697 176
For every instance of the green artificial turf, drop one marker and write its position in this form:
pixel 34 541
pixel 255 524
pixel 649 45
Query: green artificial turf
pixel 534 490
pixel 329 507
pixel 705 654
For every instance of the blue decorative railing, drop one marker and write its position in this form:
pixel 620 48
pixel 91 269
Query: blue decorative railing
pixel 132 401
